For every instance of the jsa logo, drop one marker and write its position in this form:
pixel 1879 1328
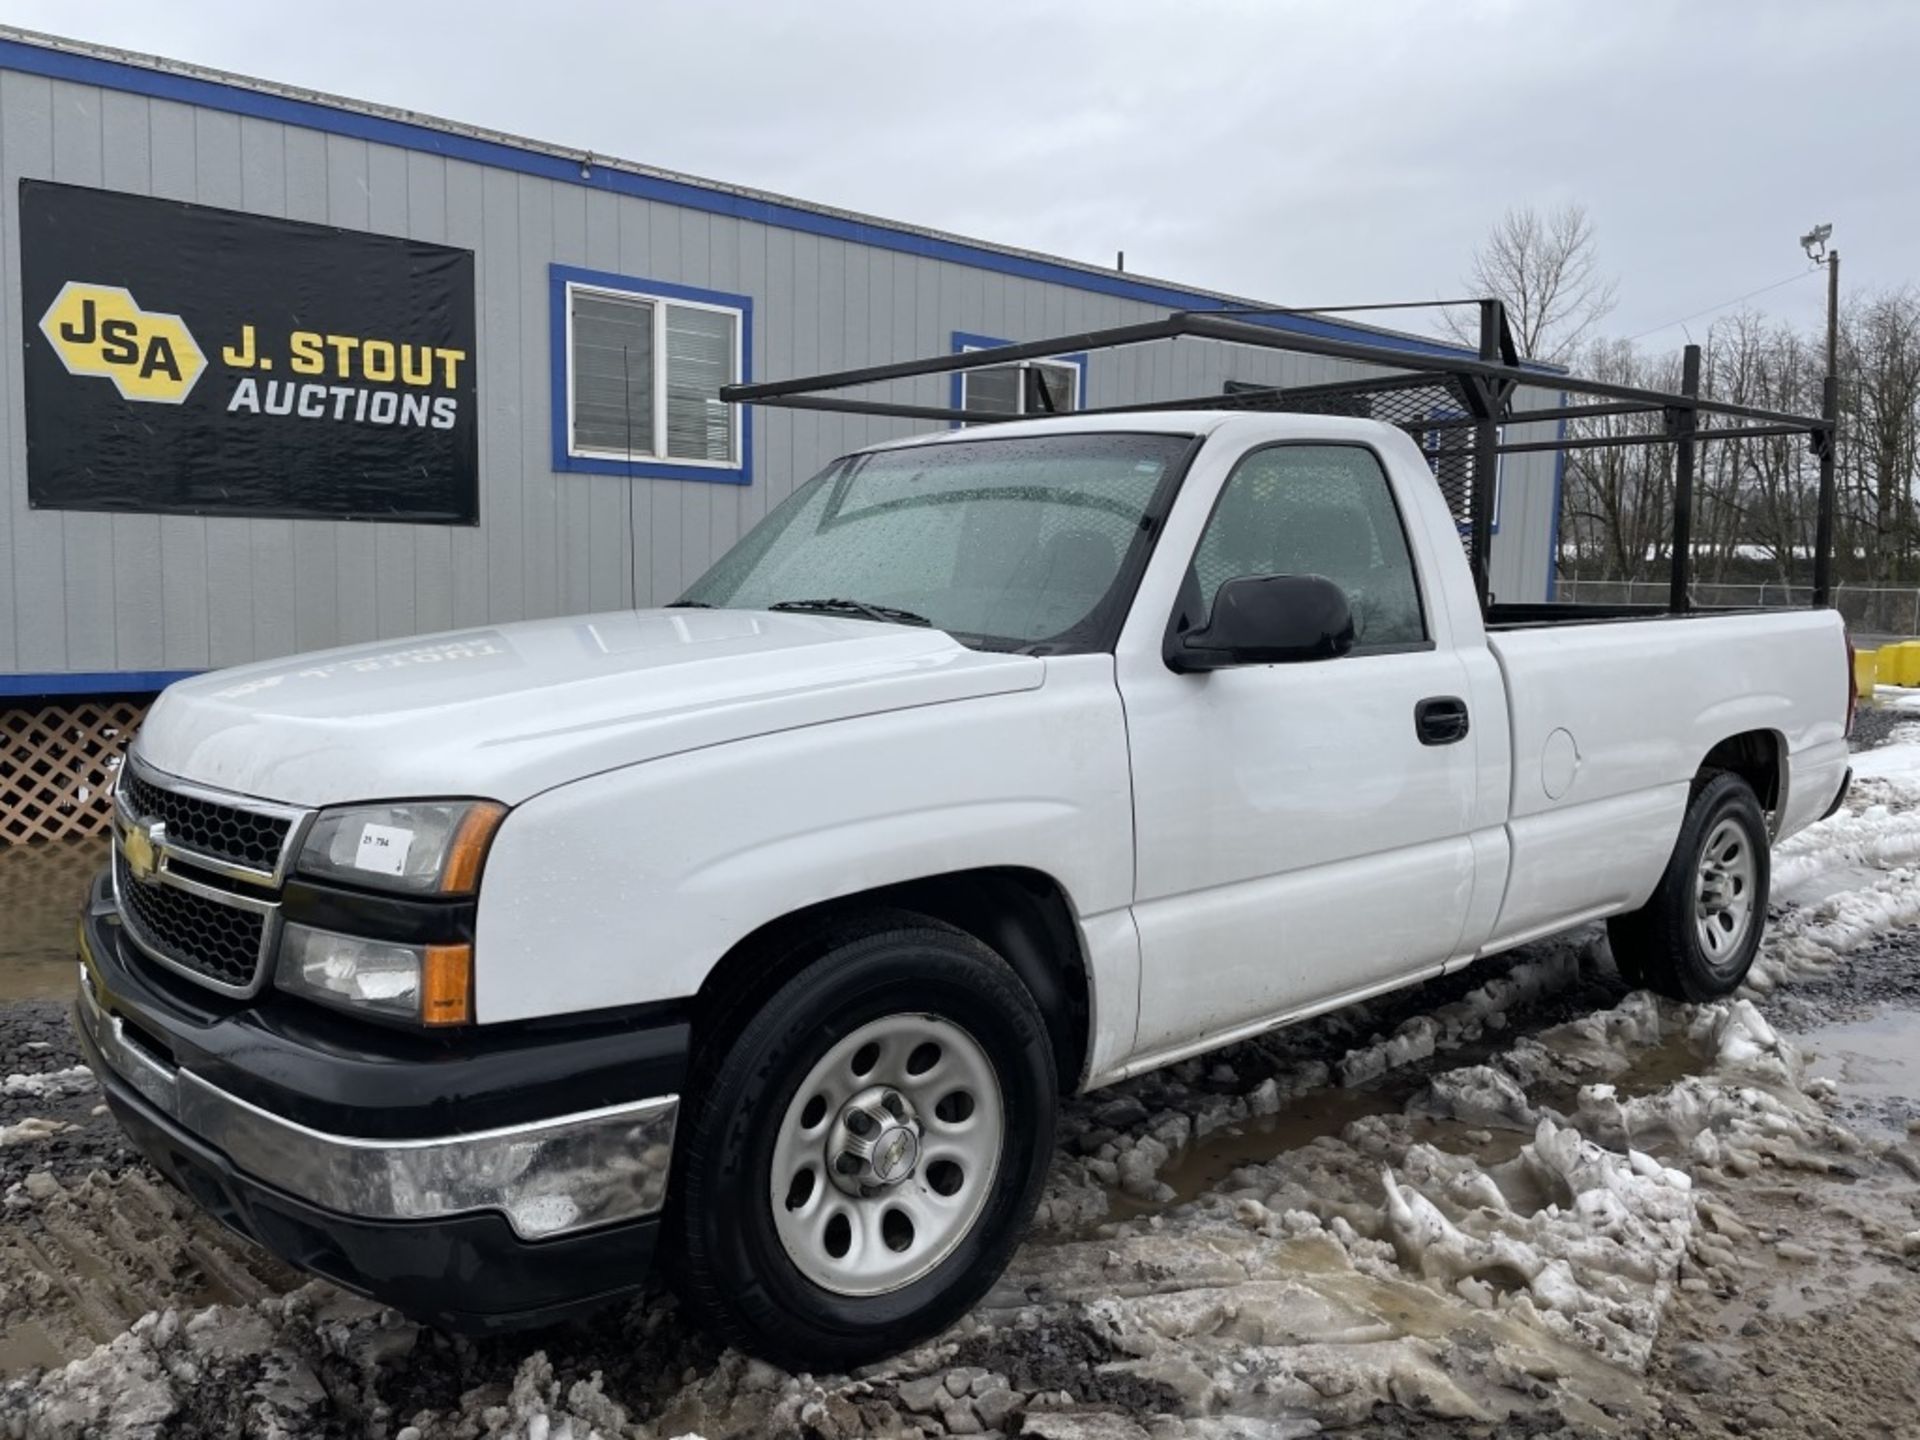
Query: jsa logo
pixel 101 330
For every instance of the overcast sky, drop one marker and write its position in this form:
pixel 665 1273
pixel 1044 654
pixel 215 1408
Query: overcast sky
pixel 1304 153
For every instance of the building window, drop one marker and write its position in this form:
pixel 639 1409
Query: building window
pixel 638 370
pixel 1052 386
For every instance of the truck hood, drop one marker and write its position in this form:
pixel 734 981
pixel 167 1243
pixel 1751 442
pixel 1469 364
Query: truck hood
pixel 506 712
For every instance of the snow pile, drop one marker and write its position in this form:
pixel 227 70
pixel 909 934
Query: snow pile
pixel 29 1130
pixel 1596 1264
pixel 50 1085
pixel 1873 834
pixel 1897 759
pixel 1877 833
pixel 258 1370
pixel 1808 940
pixel 1465 1020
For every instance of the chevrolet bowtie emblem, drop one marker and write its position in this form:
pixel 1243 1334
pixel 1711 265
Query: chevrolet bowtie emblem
pixel 140 842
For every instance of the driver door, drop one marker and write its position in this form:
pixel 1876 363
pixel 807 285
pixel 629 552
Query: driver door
pixel 1298 841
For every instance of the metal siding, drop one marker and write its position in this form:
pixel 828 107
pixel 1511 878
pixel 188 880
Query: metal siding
pixel 137 592
pixel 395 588
pixel 472 579
pixel 316 548
pixel 433 566
pixel 263 190
pixel 539 498
pixel 139 628
pixel 501 360
pixel 608 500
pixel 230 542
pixel 86 552
pixel 39 584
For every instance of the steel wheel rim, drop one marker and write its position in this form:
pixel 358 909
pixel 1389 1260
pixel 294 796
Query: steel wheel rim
pixel 879 1228
pixel 1723 893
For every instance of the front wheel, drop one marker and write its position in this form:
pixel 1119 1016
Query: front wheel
pixel 1696 938
pixel 864 1153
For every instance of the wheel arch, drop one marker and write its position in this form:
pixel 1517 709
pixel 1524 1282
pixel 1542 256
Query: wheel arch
pixel 1024 915
pixel 1759 758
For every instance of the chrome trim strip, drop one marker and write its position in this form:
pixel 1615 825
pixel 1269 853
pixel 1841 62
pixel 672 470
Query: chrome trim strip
pixel 166 852
pixel 269 910
pixel 296 818
pixel 548 1177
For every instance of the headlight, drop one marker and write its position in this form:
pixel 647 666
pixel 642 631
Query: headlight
pixel 427 984
pixel 419 848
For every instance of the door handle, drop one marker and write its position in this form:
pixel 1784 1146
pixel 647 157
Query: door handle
pixel 1441 720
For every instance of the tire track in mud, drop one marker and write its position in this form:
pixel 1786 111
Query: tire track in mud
pixel 81 1261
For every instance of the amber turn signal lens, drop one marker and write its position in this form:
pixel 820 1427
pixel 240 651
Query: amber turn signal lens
pixel 460 874
pixel 446 985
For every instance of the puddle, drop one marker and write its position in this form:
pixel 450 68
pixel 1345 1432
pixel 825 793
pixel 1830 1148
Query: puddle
pixel 41 887
pixel 1877 1059
pixel 27 1346
pixel 1206 1163
pixel 1656 1067
pixel 1203 1167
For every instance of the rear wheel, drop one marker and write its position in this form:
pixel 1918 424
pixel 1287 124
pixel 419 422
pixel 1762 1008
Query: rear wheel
pixel 1695 939
pixel 864 1152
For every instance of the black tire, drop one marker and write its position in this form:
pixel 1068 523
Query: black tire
pixel 1660 945
pixel 730 1264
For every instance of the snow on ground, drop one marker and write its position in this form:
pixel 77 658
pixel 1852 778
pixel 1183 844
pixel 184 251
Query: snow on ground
pixel 1896 697
pixel 1484 1207
pixel 1898 760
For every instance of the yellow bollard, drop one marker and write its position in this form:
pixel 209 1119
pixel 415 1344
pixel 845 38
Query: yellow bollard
pixel 1905 667
pixel 1866 672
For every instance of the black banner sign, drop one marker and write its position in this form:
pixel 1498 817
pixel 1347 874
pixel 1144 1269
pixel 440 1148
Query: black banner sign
pixel 188 360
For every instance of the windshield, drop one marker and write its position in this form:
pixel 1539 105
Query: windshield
pixel 1016 542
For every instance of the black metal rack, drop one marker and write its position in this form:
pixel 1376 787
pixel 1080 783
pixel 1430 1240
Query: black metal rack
pixel 1454 405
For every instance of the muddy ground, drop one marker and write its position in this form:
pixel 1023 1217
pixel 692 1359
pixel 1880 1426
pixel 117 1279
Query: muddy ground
pixel 1519 1201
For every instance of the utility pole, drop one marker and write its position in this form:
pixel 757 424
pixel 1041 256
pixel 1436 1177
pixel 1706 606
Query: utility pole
pixel 1814 242
pixel 1833 312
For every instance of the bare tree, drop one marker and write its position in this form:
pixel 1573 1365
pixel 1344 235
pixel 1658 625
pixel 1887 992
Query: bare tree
pixel 1880 434
pixel 1756 500
pixel 1617 501
pixel 1546 270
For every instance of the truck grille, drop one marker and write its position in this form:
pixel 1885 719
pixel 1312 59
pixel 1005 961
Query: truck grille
pixel 220 832
pixel 206 938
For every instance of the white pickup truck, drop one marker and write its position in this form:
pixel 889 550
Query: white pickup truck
pixel 764 931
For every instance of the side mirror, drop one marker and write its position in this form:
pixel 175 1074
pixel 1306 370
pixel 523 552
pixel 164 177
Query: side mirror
pixel 1268 620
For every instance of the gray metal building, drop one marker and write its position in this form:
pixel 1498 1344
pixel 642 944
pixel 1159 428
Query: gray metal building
pixel 579 509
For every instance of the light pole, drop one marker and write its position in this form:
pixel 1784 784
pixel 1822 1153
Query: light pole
pixel 1814 242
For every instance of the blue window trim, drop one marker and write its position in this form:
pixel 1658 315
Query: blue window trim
pixel 964 340
pixel 501 154
pixel 558 278
pixel 91 682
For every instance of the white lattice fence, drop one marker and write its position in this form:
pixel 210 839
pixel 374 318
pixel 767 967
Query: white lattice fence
pixel 56 766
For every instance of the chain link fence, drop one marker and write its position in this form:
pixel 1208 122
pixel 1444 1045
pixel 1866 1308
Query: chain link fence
pixel 1868 610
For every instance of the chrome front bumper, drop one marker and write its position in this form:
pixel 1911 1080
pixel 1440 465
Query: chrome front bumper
pixel 548 1178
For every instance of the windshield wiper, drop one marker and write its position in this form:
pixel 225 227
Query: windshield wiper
pixel 886 614
pixel 688 605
